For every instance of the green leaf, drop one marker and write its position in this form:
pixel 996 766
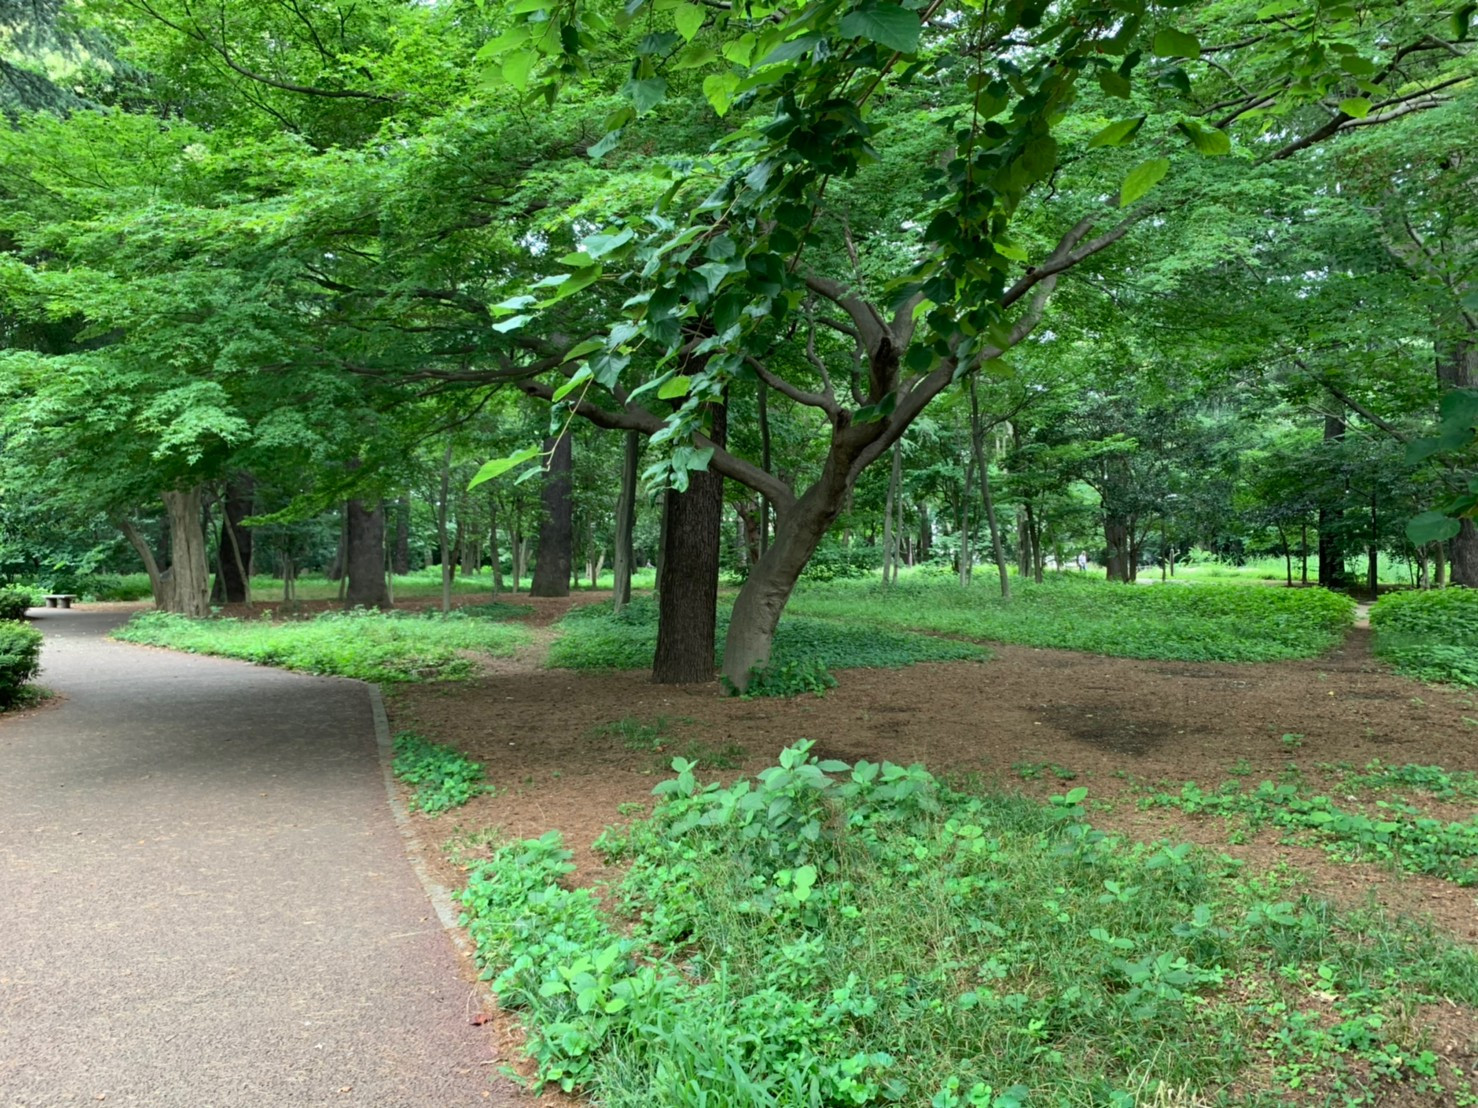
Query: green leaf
pixel 645 94
pixel 512 323
pixel 886 24
pixel 1206 140
pixel 1458 408
pixel 1117 133
pixel 1356 107
pixel 1142 178
pixel 579 350
pixel 1114 84
pixel 578 378
pixel 674 387
pixel 516 67
pixel 605 145
pixel 598 246
pixel 688 18
pixel 718 90
pixel 499 466
pixel 1431 527
pixel 1462 21
pixel 1170 43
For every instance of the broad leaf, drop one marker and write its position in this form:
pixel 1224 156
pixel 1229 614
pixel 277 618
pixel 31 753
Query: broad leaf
pixel 886 24
pixel 1142 178
pixel 1356 107
pixel 499 466
pixel 674 387
pixel 1431 527
pixel 1117 133
pixel 1170 43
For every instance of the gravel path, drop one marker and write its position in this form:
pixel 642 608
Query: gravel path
pixel 205 901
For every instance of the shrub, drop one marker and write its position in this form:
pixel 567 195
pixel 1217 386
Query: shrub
pixel 20 659
pixel 1432 635
pixel 14 600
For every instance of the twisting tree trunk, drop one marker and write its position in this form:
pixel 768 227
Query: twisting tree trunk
pixel 557 531
pixel 688 588
pixel 184 585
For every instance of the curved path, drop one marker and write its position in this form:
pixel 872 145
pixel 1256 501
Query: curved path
pixel 205 901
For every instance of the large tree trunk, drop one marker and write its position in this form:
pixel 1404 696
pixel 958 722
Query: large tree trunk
pixel 1457 368
pixel 557 531
pixel 1331 548
pixel 1116 539
pixel 233 583
pixel 184 586
pixel 625 522
pixel 687 595
pixel 366 556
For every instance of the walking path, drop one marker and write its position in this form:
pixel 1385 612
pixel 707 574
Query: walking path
pixel 204 899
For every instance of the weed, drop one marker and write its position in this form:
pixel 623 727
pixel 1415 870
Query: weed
pixel 443 777
pixel 825 934
pixel 1292 742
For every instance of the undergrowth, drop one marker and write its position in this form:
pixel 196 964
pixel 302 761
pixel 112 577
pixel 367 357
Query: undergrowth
pixel 1391 831
pixel 825 935
pixel 442 777
pixel 1228 623
pixel 372 646
pixel 595 637
pixel 1430 635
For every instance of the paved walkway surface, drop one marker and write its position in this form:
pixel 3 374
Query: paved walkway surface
pixel 204 898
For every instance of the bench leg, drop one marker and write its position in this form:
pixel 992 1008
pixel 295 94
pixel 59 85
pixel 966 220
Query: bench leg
pixel 66 602
pixel 51 602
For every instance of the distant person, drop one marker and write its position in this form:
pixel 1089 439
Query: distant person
pixel 1082 561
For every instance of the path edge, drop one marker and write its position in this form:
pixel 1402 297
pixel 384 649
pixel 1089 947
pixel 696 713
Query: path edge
pixel 436 892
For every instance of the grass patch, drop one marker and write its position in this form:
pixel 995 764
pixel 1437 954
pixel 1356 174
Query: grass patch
pixel 1431 635
pixel 830 935
pixel 1221 623
pixel 442 777
pixel 1393 832
pixel 594 637
pixel 372 646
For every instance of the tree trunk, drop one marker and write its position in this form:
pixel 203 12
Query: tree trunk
pixel 184 587
pixel 998 550
pixel 965 555
pixel 400 560
pixel 687 596
pixel 557 531
pixel 494 551
pixel 233 583
pixel 366 556
pixel 765 509
pixel 890 534
pixel 1331 550
pixel 1457 368
pixel 1116 538
pixel 1373 574
pixel 443 540
pixel 625 522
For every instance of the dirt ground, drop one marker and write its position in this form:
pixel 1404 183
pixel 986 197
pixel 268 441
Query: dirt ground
pixel 1026 719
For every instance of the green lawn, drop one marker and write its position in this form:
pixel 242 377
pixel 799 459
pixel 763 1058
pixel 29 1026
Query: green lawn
pixel 372 646
pixel 1203 622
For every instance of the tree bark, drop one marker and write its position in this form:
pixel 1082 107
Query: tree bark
pixel 494 550
pixel 557 531
pixel 625 553
pixel 687 597
pixel 443 540
pixel 233 583
pixel 366 555
pixel 1116 538
pixel 1457 368
pixel 1331 549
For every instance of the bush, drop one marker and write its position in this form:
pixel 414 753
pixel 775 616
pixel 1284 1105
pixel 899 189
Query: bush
pixel 20 659
pixel 14 600
pixel 443 778
pixel 1431 636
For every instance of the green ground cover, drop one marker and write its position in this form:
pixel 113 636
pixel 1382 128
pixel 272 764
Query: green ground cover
pixel 372 646
pixel 1430 635
pixel 1208 622
pixel 595 637
pixel 825 935
pixel 441 776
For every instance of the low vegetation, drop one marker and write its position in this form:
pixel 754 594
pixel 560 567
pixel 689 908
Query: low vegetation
pixel 1431 635
pixel 20 661
pixel 372 646
pixel 14 600
pixel 1204 623
pixel 595 637
pixel 441 776
pixel 851 935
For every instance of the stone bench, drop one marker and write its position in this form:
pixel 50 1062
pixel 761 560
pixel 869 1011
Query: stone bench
pixel 60 599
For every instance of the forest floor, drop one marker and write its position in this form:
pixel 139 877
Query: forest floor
pixel 556 744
